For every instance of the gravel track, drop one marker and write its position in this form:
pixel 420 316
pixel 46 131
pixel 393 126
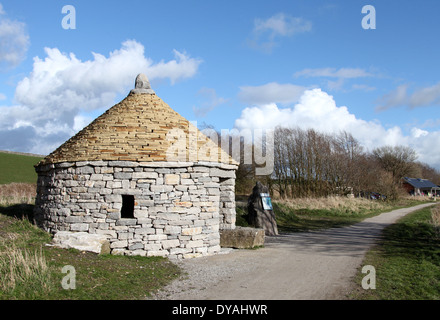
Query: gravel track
pixel 313 265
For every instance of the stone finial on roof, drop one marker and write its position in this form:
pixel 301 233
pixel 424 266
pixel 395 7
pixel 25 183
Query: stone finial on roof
pixel 142 85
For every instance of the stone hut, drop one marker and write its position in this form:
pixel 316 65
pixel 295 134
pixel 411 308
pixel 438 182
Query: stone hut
pixel 143 176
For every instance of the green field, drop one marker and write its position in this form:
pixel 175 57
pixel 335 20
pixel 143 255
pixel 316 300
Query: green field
pixel 17 168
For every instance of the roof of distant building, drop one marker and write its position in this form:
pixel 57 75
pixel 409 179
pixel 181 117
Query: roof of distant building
pixel 420 183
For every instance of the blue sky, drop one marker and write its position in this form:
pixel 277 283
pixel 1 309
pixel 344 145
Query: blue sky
pixel 243 64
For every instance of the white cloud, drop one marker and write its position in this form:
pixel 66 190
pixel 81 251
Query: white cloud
pixel 209 103
pixel 398 97
pixel 270 92
pixel 344 73
pixel 181 68
pixel 268 31
pixel 423 97
pixel 417 133
pixel 362 87
pixel 282 25
pixel 315 108
pixel 81 121
pixel 431 123
pixel 54 99
pixel 14 41
pixel 341 75
pixel 426 145
pixel 318 110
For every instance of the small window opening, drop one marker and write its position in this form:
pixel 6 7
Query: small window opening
pixel 223 180
pixel 127 210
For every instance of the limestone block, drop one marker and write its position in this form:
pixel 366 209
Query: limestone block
pixel 222 173
pixel 131 164
pixel 167 244
pixel 172 230
pixel 74 219
pixel 123 175
pixel 107 170
pixel 83 241
pixel 126 222
pixel 114 184
pixel 145 231
pixel 125 235
pixel 172 179
pixel 96 176
pixel 119 244
pixel 79 227
pixel 242 238
pixel 191 231
pixel 152 246
pixel 85 170
pixel 161 188
pixel 136 246
pixel 194 244
pixel 145 175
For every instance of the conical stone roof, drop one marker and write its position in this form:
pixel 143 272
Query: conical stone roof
pixel 143 128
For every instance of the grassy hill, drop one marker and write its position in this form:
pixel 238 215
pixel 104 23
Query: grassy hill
pixel 15 167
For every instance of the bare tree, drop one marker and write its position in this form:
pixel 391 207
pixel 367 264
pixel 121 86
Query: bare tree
pixel 398 160
pixel 425 171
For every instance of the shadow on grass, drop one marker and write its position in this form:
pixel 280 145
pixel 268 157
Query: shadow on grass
pixel 412 240
pixel 19 211
pixel 289 220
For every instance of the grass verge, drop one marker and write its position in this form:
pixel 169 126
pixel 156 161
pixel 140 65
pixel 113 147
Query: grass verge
pixel 333 212
pixel 406 261
pixel 308 214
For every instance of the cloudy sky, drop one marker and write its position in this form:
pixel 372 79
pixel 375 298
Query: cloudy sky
pixel 229 64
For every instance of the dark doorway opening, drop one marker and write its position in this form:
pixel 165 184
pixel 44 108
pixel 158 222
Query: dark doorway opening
pixel 127 210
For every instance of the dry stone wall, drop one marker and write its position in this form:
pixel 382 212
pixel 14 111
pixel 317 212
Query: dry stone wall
pixel 178 208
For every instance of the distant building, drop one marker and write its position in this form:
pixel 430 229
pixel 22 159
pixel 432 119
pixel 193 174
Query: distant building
pixel 416 186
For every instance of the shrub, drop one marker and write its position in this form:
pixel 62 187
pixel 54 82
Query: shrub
pixel 13 193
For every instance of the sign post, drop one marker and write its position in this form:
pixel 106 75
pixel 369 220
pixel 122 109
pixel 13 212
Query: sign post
pixel 260 210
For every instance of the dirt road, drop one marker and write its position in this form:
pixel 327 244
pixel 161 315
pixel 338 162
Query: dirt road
pixel 314 265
